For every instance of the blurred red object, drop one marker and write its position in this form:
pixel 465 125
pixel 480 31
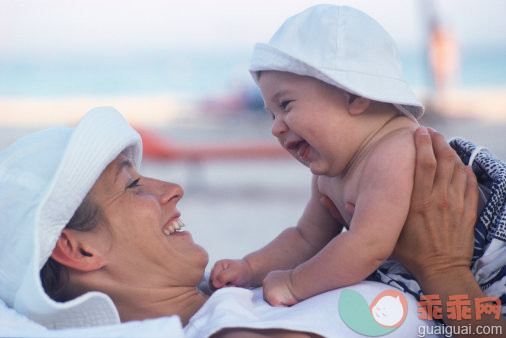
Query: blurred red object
pixel 156 146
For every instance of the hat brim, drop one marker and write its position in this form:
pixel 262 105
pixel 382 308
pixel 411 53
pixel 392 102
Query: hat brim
pixel 377 88
pixel 101 135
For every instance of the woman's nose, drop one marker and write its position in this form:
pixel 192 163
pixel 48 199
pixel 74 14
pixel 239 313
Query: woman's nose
pixel 278 127
pixel 172 192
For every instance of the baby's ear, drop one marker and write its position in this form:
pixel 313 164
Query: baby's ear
pixel 357 105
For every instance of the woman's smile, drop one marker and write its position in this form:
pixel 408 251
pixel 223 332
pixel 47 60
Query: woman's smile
pixel 173 226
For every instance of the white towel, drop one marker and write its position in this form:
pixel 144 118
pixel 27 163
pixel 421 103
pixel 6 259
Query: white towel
pixel 237 307
pixel 12 324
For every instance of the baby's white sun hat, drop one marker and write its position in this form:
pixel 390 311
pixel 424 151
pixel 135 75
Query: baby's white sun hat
pixel 44 177
pixel 341 46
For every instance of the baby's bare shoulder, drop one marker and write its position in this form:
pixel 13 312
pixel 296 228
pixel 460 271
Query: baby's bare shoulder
pixel 396 144
pixel 395 153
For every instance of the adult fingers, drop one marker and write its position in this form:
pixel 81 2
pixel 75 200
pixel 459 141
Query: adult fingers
pixel 459 178
pixel 425 168
pixel 445 157
pixel 456 193
pixel 471 197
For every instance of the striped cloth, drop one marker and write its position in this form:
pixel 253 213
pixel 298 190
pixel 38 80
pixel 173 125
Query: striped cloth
pixel 488 263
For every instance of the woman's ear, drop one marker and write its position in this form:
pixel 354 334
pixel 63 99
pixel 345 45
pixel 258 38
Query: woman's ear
pixel 357 105
pixel 73 251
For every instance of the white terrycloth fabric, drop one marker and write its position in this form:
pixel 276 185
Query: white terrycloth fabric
pixel 344 47
pixel 12 324
pixel 237 307
pixel 43 179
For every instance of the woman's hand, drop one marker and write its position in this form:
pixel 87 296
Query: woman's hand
pixel 231 272
pixel 439 231
pixel 436 243
pixel 278 288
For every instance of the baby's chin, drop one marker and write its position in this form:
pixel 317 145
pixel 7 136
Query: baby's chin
pixel 317 169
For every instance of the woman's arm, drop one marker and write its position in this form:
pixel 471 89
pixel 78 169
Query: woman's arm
pixel 436 243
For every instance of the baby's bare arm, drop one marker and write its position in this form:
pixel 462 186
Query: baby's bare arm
pixel 297 244
pixel 380 211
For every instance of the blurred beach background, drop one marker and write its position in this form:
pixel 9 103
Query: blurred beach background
pixel 178 70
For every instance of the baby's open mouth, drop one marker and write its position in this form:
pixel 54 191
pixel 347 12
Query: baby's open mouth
pixel 172 226
pixel 303 150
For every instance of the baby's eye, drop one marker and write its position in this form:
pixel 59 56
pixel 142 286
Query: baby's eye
pixel 285 103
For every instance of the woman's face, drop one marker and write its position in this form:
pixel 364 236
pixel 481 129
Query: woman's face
pixel 138 210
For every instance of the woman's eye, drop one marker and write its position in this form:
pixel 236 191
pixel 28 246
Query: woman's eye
pixel 134 184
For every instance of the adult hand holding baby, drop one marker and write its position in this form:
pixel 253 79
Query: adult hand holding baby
pixel 436 244
pixel 438 234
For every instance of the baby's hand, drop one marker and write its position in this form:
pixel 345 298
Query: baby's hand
pixel 231 272
pixel 278 288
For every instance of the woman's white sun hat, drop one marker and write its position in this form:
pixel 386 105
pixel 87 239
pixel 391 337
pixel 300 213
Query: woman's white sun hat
pixel 341 46
pixel 44 177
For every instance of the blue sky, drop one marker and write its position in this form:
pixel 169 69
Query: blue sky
pixel 45 27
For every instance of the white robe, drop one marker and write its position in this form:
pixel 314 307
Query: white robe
pixel 237 307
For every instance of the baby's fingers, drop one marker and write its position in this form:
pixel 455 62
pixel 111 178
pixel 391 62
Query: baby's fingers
pixel 218 281
pixel 227 277
pixel 279 300
pixel 216 278
pixel 274 300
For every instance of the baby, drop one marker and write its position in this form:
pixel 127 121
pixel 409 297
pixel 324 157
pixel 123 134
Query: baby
pixel 332 81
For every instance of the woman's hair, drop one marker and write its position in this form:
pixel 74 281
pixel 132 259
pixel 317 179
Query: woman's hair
pixel 54 276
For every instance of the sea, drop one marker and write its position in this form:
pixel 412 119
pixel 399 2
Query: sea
pixel 194 73
pixel 231 207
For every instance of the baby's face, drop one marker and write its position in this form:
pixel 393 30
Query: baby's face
pixel 311 120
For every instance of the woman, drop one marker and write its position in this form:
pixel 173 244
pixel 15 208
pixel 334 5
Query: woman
pixel 77 213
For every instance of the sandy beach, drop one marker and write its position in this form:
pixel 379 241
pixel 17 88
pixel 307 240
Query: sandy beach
pixel 37 112
pixel 482 103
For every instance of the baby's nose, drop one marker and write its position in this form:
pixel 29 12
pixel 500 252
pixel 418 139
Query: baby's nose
pixel 278 127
